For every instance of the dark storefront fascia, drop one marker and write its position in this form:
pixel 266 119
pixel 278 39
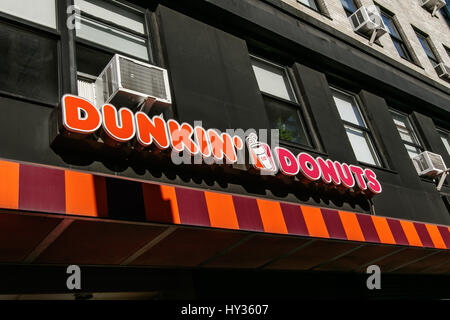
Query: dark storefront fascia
pixel 250 213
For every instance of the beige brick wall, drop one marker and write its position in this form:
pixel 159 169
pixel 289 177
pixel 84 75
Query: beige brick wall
pixel 407 13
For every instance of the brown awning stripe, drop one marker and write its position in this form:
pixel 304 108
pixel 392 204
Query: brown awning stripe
pixel 38 188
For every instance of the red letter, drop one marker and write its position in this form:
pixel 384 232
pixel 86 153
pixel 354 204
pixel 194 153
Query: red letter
pixel 222 144
pixel 181 137
pixel 120 128
pixel 202 140
pixel 74 120
pixel 359 172
pixel 309 166
pixel 373 184
pixel 261 158
pixel 345 174
pixel 151 129
pixel 328 170
pixel 238 143
pixel 287 162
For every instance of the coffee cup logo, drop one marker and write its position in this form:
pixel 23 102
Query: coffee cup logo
pixel 259 152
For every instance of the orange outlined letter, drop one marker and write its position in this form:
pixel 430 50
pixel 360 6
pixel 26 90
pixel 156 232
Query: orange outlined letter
pixel 120 128
pixel 79 115
pixel 149 130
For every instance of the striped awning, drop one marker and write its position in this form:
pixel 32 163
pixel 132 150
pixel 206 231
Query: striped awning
pixel 32 190
pixel 38 188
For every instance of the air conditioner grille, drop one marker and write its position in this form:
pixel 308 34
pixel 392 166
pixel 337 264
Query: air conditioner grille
pixel 360 17
pixel 436 161
pixel 143 79
pixel 422 163
pixel 86 89
pixel 109 82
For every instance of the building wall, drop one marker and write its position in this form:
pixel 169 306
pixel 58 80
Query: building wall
pixel 405 193
pixel 407 14
pixel 205 45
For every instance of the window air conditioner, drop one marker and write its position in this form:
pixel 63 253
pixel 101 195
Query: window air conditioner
pixel 432 5
pixel 367 20
pixel 429 164
pixel 442 70
pixel 86 89
pixel 132 84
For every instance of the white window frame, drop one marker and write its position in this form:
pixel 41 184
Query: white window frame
pixel 418 144
pixel 315 7
pixel 29 10
pixel 441 133
pixel 365 129
pixel 294 103
pixel 290 87
pixel 120 29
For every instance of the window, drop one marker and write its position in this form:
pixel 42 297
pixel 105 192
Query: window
pixel 446 12
pixel 272 79
pixel 355 126
pixel 407 134
pixel 282 107
pixel 397 39
pixel 349 6
pixel 32 64
pixel 310 3
pixel 425 42
pixel 107 28
pixel 445 139
pixel 30 56
pixel 42 12
pixel 447 50
pixel 112 26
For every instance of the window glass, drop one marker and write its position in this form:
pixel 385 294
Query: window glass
pixel 39 11
pixel 427 48
pixel 110 12
pixel 361 145
pixel 348 110
pixel 445 140
pixel 357 131
pixel 397 39
pixel 113 27
pixel 282 108
pixel 448 51
pixel 446 12
pixel 390 25
pixel 90 60
pixel 286 119
pixel 309 3
pixel 404 128
pixel 407 134
pixel 401 49
pixel 412 151
pixel 349 6
pixel 32 68
pixel 113 38
pixel 272 79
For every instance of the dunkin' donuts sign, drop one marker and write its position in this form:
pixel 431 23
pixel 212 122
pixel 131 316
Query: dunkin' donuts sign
pixel 81 117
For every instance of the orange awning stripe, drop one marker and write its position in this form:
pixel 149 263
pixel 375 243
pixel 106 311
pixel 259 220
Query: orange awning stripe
pixel 221 210
pixel 272 216
pixel 351 226
pixel 314 222
pixel 383 230
pixel 9 185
